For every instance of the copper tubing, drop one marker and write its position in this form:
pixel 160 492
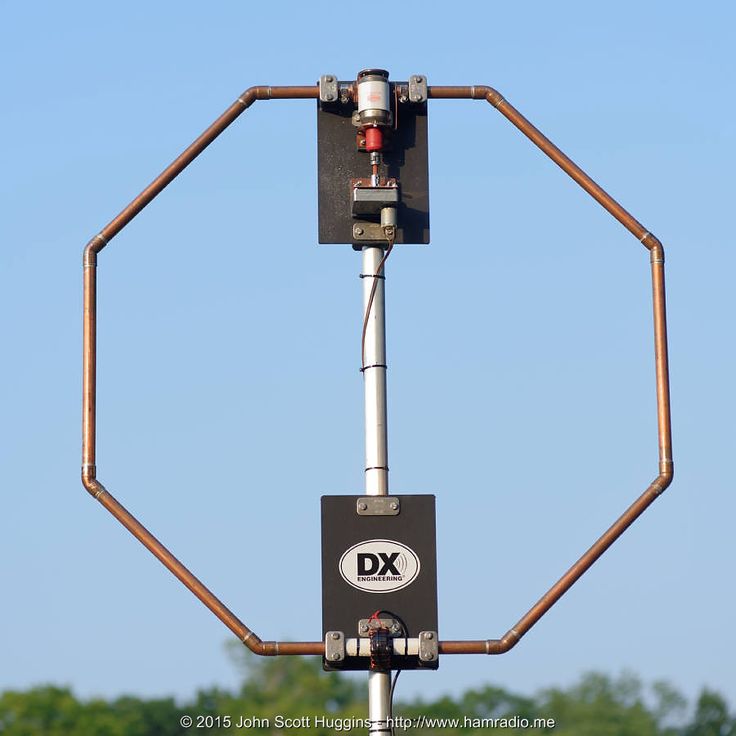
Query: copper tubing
pixel 666 469
pixel 490 646
pixel 89 372
pixel 489 94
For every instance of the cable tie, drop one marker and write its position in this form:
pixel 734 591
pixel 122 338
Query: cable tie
pixel 372 276
pixel 373 365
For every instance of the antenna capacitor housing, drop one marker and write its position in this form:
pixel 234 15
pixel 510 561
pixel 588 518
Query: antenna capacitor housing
pixel 374 99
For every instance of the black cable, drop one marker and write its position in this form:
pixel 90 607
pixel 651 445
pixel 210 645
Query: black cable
pixel 372 295
pixel 391 697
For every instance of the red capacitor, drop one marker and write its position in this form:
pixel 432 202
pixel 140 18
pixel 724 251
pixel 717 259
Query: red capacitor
pixel 373 139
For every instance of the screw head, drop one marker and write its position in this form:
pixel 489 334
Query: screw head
pixel 363 506
pixel 335 635
pixel 336 655
pixel 329 78
pixel 364 627
pixel 329 97
pixel 429 635
pixel 403 99
pixel 359 231
pixel 396 628
pixel 394 506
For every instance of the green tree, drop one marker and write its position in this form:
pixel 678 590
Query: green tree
pixel 711 717
pixel 604 706
pixel 297 688
pixel 55 711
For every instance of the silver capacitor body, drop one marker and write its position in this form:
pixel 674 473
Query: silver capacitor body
pixel 374 98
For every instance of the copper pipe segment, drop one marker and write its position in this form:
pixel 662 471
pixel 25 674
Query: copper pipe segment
pixel 89 375
pixel 664 431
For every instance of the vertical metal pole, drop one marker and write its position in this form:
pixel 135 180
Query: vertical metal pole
pixel 376 446
pixel 379 707
pixel 374 377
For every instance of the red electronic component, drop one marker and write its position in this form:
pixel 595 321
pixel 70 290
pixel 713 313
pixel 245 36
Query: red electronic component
pixel 373 139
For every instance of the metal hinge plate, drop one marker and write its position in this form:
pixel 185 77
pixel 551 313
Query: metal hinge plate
pixel 418 88
pixel 365 625
pixel 334 646
pixel 428 646
pixel 378 506
pixel 328 88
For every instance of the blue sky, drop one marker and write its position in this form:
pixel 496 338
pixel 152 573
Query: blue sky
pixel 521 384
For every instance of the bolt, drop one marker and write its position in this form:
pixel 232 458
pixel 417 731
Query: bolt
pixel 363 506
pixel 358 231
pixel 394 506
pixel 336 655
pixel 335 634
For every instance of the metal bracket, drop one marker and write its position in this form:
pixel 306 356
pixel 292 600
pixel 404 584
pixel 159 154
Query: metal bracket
pixel 365 625
pixel 373 231
pixel 334 646
pixel 355 120
pixel 378 505
pixel 428 646
pixel 418 88
pixel 328 88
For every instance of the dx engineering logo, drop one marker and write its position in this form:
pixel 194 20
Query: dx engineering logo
pixel 379 566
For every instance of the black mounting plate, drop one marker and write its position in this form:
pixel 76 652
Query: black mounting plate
pixel 346 532
pixel 340 160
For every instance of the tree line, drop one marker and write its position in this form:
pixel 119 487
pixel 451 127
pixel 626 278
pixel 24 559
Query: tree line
pixel 292 695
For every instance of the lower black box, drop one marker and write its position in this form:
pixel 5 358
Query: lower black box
pixel 385 562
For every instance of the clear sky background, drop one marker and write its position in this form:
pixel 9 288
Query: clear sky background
pixel 521 381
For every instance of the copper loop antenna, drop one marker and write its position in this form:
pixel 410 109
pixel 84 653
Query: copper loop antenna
pixel 666 468
pixel 89 374
pixel 250 639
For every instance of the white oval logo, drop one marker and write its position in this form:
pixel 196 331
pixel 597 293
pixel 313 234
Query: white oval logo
pixel 379 566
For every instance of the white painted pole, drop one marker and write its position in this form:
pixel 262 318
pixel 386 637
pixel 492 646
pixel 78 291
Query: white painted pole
pixel 379 707
pixel 376 446
pixel 374 377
